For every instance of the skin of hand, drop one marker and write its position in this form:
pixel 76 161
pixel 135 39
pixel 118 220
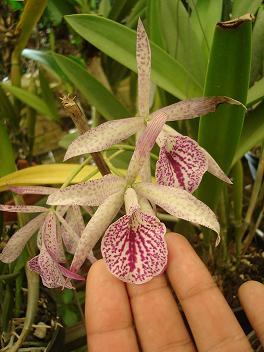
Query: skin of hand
pixel 129 318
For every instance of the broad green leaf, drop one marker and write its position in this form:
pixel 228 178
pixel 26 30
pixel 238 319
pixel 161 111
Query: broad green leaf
pixel 45 58
pixel 204 18
pixel 48 95
pixel 7 160
pixel 181 40
pixel 30 99
pixel 95 93
pixel 252 133
pixel 256 92
pixel 7 110
pixel 257 64
pixel 119 42
pixel 45 175
pixel 241 7
pixel 228 74
pixel 57 9
pixel 154 22
pixel 104 8
pixel 136 12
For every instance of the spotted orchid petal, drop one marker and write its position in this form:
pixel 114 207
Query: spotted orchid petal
pixel 144 146
pixel 103 136
pixel 143 56
pixel 70 274
pixel 91 193
pixel 96 227
pixel 51 239
pixel 215 169
pixel 134 248
pixel 23 208
pixel 19 239
pixel 181 163
pixel 69 236
pixel 32 190
pixel 48 270
pixel 179 203
pixel 189 109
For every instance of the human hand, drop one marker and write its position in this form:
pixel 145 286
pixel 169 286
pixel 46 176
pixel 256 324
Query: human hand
pixel 128 318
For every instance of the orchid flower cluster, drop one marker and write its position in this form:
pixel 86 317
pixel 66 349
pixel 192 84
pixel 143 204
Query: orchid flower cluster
pixel 133 246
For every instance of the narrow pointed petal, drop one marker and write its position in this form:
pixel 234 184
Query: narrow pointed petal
pixel 19 239
pixel 96 227
pixel 103 136
pixel 32 190
pixel 181 163
pixel 134 248
pixel 143 56
pixel 189 109
pixel 144 146
pixel 70 274
pixel 215 169
pixel 179 203
pixel 91 193
pixel 69 236
pixel 50 238
pixel 23 208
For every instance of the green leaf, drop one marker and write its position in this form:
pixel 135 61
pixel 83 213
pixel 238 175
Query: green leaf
pixel 241 7
pixel 256 92
pixel 57 9
pixel 155 23
pixel 7 160
pixel 119 42
pixel 204 18
pixel 257 63
pixel 45 58
pixel 95 93
pixel 181 39
pixel 30 99
pixel 48 95
pixel 252 133
pixel 136 12
pixel 228 74
pixel 7 110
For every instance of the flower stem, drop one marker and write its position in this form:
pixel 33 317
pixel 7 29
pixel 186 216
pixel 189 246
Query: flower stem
pixel 253 199
pixel 82 126
pixel 32 304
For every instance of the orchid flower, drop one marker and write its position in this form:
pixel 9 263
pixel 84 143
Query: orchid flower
pixel 187 161
pixel 133 247
pixel 182 162
pixel 48 262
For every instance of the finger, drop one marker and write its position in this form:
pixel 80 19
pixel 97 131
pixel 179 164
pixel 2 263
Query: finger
pixel 158 321
pixel 211 320
pixel 107 311
pixel 251 296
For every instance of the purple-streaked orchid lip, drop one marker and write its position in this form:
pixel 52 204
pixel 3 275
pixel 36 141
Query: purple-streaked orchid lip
pixel 134 248
pixel 181 163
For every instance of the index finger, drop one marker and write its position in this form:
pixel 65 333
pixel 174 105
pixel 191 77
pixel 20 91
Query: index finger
pixel 211 320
